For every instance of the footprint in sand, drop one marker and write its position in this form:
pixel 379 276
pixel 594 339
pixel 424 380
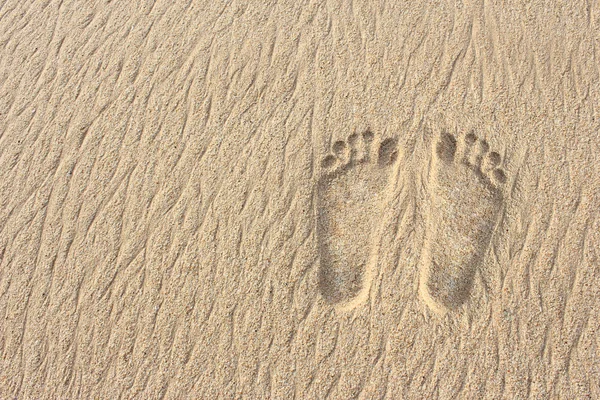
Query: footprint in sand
pixel 350 197
pixel 466 196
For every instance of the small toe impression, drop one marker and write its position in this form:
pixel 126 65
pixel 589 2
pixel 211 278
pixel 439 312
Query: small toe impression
pixel 353 139
pixel 368 136
pixel 359 148
pixel 329 162
pixel 491 162
pixel 479 151
pixel 494 159
pixel 388 152
pixel 484 147
pixel 499 176
pixel 339 148
pixel 470 138
pixel 446 147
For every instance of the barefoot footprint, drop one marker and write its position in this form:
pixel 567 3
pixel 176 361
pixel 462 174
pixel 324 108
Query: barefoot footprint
pixel 466 195
pixel 350 197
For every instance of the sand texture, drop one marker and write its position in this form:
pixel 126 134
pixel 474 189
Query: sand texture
pixel 299 199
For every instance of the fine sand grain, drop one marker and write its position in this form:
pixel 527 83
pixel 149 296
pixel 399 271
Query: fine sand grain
pixel 299 199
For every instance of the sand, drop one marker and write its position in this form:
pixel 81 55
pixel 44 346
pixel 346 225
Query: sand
pixel 299 199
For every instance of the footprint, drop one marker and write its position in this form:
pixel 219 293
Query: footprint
pixel 465 198
pixel 350 199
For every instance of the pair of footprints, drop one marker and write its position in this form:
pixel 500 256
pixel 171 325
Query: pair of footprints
pixel 465 191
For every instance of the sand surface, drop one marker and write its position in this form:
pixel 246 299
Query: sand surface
pixel 299 199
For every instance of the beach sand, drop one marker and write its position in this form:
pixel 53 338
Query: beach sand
pixel 299 199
